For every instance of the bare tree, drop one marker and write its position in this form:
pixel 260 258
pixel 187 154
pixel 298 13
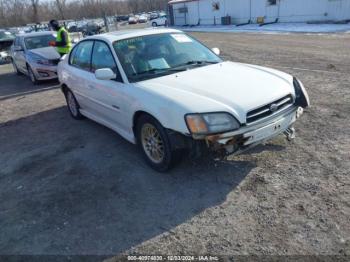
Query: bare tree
pixel 61 6
pixel 35 6
pixel 22 12
pixel 2 13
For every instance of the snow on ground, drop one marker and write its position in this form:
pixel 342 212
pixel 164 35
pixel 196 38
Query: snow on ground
pixel 272 28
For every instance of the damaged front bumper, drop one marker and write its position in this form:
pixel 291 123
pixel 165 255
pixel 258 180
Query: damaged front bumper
pixel 44 72
pixel 251 135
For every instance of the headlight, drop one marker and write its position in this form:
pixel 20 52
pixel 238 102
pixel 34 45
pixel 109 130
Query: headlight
pixel 302 98
pixel 40 60
pixel 211 123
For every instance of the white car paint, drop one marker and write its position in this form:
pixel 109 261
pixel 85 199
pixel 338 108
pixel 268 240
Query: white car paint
pixel 160 21
pixel 221 88
pixel 229 87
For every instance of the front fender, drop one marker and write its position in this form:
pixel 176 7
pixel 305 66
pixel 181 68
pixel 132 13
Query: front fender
pixel 169 113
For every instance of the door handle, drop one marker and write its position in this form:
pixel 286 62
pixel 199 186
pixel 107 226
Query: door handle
pixel 91 87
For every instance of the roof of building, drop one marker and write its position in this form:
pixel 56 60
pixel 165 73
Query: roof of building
pixel 180 1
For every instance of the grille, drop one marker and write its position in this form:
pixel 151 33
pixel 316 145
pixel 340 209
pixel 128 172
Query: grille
pixel 269 109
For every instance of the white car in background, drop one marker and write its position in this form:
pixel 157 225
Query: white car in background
pixel 168 93
pixel 32 55
pixel 143 18
pixel 160 21
pixel 133 20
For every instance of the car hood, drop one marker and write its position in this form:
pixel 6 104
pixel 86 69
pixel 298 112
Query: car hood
pixel 46 52
pixel 232 87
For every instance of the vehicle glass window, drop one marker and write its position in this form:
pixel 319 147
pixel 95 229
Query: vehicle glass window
pixel 82 55
pixel 72 54
pixel 102 57
pixel 151 56
pixel 35 42
pixel 18 42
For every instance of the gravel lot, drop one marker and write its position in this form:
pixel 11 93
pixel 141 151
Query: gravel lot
pixel 75 187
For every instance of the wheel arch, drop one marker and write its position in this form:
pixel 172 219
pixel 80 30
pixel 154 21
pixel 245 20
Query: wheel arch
pixel 137 116
pixel 28 65
pixel 177 139
pixel 64 88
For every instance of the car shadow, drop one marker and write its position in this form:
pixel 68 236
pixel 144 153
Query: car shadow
pixel 75 187
pixel 264 147
pixel 12 85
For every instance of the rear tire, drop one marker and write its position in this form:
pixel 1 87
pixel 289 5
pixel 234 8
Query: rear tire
pixel 155 145
pixel 154 24
pixel 73 105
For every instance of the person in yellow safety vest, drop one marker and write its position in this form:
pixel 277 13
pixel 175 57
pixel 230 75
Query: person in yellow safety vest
pixel 63 43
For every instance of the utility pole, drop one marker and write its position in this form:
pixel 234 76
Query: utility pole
pixel 250 11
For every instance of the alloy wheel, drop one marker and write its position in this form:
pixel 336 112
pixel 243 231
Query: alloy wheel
pixel 72 104
pixel 31 75
pixel 152 143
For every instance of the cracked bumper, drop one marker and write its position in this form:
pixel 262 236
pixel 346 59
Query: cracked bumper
pixel 251 135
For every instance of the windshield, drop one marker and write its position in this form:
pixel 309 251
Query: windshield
pixel 4 35
pixel 151 56
pixel 38 41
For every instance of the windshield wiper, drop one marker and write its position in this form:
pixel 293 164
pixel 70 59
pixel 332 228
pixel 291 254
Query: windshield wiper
pixel 158 70
pixel 196 63
pixel 200 62
pixel 155 73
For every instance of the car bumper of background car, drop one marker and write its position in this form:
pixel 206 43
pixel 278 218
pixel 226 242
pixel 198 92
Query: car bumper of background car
pixel 252 135
pixel 45 72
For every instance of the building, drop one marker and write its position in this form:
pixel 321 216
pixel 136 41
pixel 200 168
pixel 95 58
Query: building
pixel 209 12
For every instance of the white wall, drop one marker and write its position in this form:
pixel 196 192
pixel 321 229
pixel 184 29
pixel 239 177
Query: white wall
pixel 239 10
pixel 286 11
pixel 207 14
pixel 179 18
pixel 192 19
pixel 302 11
pixel 338 9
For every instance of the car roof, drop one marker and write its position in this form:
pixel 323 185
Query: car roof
pixel 37 33
pixel 124 34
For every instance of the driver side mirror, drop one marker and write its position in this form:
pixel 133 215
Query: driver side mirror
pixel 105 74
pixel 216 50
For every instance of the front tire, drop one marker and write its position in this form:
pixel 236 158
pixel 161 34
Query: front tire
pixel 73 105
pixel 154 24
pixel 154 143
pixel 32 77
pixel 16 68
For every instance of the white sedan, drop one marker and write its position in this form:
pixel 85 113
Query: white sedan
pixel 160 21
pixel 168 93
